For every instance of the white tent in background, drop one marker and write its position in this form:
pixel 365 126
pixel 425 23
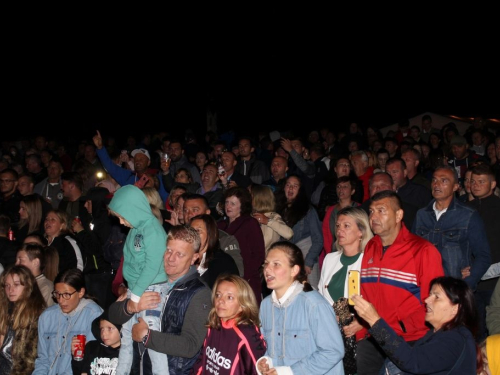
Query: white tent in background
pixel 438 121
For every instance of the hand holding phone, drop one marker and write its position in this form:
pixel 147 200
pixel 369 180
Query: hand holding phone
pixel 353 281
pixel 140 183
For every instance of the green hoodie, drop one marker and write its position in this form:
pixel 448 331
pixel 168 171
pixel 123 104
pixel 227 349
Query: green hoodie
pixel 146 241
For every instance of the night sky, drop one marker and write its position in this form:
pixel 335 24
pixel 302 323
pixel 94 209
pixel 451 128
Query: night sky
pixel 244 102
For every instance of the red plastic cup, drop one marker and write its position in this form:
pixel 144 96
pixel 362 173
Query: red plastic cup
pixel 80 348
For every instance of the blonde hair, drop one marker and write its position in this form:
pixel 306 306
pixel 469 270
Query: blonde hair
pixel 185 233
pixel 34 211
pixel 246 298
pixel 155 202
pixel 51 263
pixel 360 217
pixel 63 217
pixel 263 199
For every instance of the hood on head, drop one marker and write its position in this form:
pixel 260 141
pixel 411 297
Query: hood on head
pixel 96 328
pixel 131 203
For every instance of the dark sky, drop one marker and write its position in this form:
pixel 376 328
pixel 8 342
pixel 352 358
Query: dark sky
pixel 245 101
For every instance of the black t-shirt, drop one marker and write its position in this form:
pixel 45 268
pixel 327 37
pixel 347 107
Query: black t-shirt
pixel 98 359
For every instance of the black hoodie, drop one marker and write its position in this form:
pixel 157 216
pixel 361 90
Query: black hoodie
pixel 98 358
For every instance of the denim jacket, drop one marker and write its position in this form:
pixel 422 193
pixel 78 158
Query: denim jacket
pixel 302 333
pixel 55 331
pixel 460 237
pixel 309 226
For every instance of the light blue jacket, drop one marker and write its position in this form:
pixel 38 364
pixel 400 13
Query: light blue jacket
pixel 309 225
pixel 55 332
pixel 302 333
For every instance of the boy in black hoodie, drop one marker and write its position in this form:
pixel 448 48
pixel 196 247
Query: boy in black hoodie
pixel 101 355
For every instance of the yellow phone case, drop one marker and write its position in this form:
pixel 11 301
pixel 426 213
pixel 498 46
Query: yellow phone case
pixel 353 281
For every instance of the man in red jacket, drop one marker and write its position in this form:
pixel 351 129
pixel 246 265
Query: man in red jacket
pixel 396 272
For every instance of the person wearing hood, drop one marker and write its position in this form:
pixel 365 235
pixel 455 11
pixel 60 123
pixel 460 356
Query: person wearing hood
pixel 73 315
pixel 101 354
pixel 97 270
pixel 142 266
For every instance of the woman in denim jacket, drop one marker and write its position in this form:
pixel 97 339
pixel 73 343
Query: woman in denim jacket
pixel 298 324
pixel 73 315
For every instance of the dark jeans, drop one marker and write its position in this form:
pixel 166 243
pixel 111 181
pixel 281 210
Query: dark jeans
pixel 483 298
pixel 369 357
pixel 98 285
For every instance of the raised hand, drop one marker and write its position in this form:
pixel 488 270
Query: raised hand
pixel 97 140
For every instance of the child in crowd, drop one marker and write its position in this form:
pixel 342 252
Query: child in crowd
pixel 233 330
pixel 101 355
pixel 142 266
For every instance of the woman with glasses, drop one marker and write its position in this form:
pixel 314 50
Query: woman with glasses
pixel 21 304
pixel 73 315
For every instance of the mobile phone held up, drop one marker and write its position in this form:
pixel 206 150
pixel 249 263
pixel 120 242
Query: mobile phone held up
pixel 353 280
pixel 141 182
pixel 166 215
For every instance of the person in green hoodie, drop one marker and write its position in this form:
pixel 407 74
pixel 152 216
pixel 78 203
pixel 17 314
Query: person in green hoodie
pixel 142 266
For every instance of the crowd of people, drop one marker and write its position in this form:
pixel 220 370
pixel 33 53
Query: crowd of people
pixel 324 251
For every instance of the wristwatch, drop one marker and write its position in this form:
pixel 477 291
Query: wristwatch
pixel 145 338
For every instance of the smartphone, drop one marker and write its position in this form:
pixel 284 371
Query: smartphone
pixel 166 215
pixel 140 183
pixel 353 280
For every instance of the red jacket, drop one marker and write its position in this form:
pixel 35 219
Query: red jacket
pixel 397 282
pixel 365 179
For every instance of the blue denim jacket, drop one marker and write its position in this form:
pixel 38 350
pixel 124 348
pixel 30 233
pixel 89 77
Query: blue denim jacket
pixel 460 237
pixel 309 226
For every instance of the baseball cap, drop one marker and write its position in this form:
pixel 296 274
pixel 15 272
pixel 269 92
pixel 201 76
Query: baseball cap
pixel 97 193
pixel 274 135
pixel 458 140
pixel 141 151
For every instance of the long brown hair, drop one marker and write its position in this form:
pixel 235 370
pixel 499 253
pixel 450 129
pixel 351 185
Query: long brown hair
pixel 246 298
pixel 34 210
pixel 27 308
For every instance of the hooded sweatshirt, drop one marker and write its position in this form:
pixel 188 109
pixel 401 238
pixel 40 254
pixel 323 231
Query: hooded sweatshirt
pixel 145 243
pixel 99 358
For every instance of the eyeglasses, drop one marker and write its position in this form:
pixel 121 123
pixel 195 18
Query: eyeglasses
pixel 7 181
pixel 57 295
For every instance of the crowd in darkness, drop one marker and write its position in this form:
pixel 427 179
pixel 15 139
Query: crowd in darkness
pixel 105 231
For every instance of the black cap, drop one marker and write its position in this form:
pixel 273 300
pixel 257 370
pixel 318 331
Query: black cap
pixel 97 193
